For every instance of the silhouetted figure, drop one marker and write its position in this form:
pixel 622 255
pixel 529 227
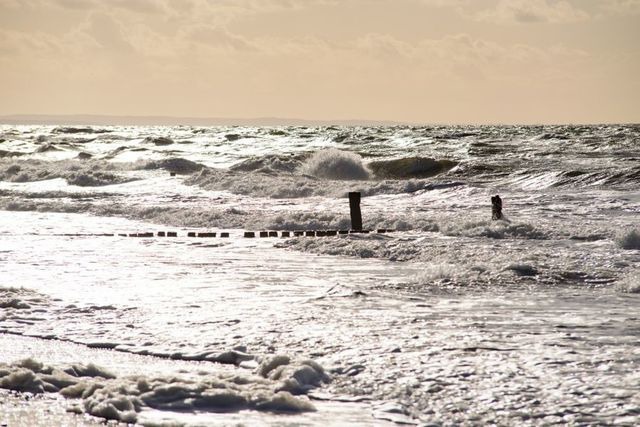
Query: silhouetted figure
pixel 496 207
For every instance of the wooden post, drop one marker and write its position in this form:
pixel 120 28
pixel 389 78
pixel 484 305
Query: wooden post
pixel 354 207
pixel 496 208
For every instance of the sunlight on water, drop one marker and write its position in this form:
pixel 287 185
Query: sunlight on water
pixel 447 318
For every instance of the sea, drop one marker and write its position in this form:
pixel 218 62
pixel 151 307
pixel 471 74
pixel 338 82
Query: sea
pixel 205 276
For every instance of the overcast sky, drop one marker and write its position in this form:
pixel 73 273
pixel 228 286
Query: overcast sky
pixel 430 61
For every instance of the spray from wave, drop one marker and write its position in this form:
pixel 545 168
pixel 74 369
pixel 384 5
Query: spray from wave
pixel 337 165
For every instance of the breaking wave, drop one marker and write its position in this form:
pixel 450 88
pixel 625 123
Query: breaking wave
pixel 284 186
pixel 410 167
pixel 271 164
pixel 78 129
pixel 492 229
pixel 85 173
pixel 336 165
pixel 629 239
pixel 630 283
pixel 177 165
pixel 158 140
pixel 575 178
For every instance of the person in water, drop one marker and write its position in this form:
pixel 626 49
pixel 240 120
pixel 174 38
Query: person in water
pixel 496 207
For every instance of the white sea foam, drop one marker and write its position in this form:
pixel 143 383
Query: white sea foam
pixel 337 165
pixel 104 395
pixel 630 283
pixel 492 229
pixel 437 272
pixel 75 173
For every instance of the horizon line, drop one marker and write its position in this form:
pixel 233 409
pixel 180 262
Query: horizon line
pixel 168 120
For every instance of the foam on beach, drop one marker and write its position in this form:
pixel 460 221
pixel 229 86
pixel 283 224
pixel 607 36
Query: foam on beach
pixel 275 386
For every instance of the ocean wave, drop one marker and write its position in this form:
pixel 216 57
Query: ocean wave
pixel 189 216
pixel 158 140
pixel 578 178
pixel 176 164
pixel 85 173
pixel 78 129
pixel 630 283
pixel 573 178
pixel 331 173
pixel 629 239
pixel 45 148
pixel 392 247
pixel 410 167
pixel 491 229
pixel 336 165
pixel 333 164
pixel 5 153
pixel 290 186
pixel 271 164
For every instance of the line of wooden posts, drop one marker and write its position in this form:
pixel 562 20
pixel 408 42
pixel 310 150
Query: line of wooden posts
pixel 356 226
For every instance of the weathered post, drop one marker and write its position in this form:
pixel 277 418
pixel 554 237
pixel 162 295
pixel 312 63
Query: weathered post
pixel 496 207
pixel 354 207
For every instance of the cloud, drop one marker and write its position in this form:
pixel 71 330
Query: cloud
pixel 139 6
pixel 621 7
pixel 531 12
pixel 108 33
pixel 217 38
pixel 384 45
pixel 29 43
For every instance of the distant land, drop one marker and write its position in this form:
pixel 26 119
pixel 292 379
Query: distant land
pixel 105 120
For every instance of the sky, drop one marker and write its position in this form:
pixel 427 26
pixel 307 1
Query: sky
pixel 418 61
